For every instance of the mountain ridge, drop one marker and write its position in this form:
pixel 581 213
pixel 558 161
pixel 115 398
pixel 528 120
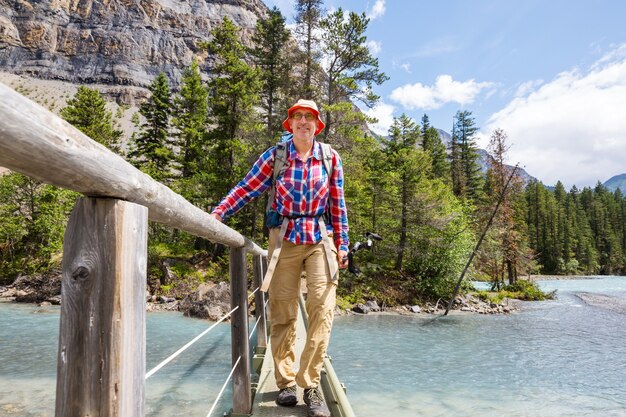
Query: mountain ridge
pixel 485 160
pixel 117 42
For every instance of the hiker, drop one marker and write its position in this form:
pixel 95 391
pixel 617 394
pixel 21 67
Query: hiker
pixel 305 181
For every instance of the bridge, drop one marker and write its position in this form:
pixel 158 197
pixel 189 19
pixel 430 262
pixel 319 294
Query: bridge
pixel 101 366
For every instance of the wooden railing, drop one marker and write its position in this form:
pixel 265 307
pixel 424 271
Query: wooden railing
pixel 102 341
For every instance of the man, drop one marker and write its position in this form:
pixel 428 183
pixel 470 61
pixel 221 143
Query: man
pixel 298 242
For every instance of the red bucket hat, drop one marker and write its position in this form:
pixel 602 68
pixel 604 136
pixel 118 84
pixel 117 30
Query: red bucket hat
pixel 304 104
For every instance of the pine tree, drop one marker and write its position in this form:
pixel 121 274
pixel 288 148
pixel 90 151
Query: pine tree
pixel 235 88
pixel 308 15
pixel 508 249
pixel 87 112
pixel 33 216
pixel 467 178
pixel 351 70
pixel 270 56
pixel 149 148
pixel 434 147
pixel 401 151
pixel 189 119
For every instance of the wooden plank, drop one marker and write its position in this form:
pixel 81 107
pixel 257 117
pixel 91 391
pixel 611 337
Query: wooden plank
pixel 265 398
pixel 259 301
pixel 242 393
pixel 101 359
pixel 37 143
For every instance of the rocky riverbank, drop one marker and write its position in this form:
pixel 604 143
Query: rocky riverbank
pixel 212 300
pixel 208 301
pixel 462 304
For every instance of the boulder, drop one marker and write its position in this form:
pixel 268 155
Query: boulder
pixel 209 301
pixel 38 288
pixel 372 305
pixel 361 308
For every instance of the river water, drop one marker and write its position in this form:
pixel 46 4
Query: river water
pixel 553 358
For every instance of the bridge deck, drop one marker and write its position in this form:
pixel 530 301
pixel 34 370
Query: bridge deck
pixel 264 400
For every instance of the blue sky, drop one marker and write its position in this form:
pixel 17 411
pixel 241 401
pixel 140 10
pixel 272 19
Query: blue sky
pixel 551 73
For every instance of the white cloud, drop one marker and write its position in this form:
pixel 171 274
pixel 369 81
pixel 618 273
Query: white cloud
pixel 572 128
pixel 377 10
pixel 527 87
pixel 404 65
pixel 384 113
pixel 375 47
pixel 445 90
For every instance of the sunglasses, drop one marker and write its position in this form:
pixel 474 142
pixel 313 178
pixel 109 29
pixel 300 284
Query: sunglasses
pixel 308 116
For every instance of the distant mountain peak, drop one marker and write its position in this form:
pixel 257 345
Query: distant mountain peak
pixel 615 182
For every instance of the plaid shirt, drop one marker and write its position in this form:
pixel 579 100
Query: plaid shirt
pixel 301 195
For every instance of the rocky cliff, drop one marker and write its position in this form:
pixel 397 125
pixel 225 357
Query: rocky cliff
pixel 113 42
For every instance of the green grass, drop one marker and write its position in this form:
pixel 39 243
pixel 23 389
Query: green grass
pixel 521 290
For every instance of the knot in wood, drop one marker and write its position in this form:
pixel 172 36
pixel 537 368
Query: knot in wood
pixel 81 272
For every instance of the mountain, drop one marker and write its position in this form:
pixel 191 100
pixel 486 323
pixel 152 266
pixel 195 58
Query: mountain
pixel 120 45
pixel 618 181
pixel 485 160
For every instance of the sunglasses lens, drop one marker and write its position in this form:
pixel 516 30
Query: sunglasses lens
pixel 308 116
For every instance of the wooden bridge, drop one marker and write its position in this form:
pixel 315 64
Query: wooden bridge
pixel 101 368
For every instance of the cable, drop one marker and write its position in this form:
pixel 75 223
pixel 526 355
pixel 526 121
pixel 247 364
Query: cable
pixel 254 328
pixel 253 292
pixel 179 351
pixel 219 396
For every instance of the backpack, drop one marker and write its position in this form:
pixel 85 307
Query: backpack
pixel 280 166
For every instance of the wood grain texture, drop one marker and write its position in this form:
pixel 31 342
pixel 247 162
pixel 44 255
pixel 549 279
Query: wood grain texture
pixel 37 143
pixel 242 394
pixel 259 301
pixel 101 359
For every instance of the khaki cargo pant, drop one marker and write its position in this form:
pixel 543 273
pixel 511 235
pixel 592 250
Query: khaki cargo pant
pixel 284 292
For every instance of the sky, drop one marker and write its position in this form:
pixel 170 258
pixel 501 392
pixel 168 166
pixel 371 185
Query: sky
pixel 550 73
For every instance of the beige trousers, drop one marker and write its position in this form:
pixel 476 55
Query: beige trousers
pixel 284 292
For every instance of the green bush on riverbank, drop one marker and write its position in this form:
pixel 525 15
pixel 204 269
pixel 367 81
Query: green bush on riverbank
pixel 521 290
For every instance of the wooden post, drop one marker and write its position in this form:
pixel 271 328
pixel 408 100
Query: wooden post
pixel 242 393
pixel 101 361
pixel 259 302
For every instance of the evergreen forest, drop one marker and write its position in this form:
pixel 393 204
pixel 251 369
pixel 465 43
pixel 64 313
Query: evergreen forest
pixel 430 201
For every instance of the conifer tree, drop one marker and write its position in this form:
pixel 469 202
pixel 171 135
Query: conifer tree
pixel 189 119
pixel 425 126
pixel 434 147
pixel 149 148
pixel 235 88
pixel 351 69
pixel 467 175
pixel 87 112
pixel 401 151
pixel 270 56
pixel 459 182
pixel 508 249
pixel 33 216
pixel 308 15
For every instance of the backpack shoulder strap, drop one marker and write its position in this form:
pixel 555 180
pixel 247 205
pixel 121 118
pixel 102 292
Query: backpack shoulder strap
pixel 280 160
pixel 327 158
pixel 280 166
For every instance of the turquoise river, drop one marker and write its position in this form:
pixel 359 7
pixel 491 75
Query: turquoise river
pixel 564 357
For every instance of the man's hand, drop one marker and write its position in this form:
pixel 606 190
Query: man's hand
pixel 342 258
pixel 217 216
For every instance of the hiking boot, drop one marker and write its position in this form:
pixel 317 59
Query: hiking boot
pixel 317 406
pixel 287 397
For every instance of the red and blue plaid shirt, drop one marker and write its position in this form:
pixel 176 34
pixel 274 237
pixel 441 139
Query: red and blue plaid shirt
pixel 302 195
